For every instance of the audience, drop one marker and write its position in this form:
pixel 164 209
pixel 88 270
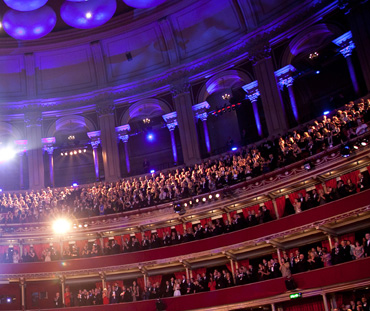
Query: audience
pixel 134 193
pixel 296 262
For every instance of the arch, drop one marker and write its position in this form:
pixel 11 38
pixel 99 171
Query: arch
pixel 223 80
pixel 149 107
pixel 70 124
pixel 310 39
pixel 10 130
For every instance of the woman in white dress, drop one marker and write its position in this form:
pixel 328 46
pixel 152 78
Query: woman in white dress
pixel 176 288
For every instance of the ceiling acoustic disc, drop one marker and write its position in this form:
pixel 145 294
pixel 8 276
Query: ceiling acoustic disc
pixel 25 5
pixel 29 25
pixel 87 14
pixel 143 4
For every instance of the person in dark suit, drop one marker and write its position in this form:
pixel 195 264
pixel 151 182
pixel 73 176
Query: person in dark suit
pixel 344 252
pixel 58 301
pixel 367 245
pixel 168 290
pixel 301 264
pixel 115 248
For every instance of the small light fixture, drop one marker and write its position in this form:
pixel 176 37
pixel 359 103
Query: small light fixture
pixel 313 55
pixel 146 121
pixel 71 137
pixel 226 96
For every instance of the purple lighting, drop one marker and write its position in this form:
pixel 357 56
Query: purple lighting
pixel 87 14
pixel 25 5
pixel 150 137
pixel 29 25
pixel 152 171
pixel 143 4
pixel 75 184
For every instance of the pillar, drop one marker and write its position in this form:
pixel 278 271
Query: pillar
pixel 275 208
pixel 63 283
pixel 21 145
pixel 278 254
pixel 33 123
pixel 270 94
pixel 284 77
pixel 22 284
pixel 252 94
pixel 188 132
pixel 49 148
pixel 330 242
pixel 358 16
pixel 105 111
pixel 103 280
pixel 122 132
pixel 200 111
pixel 325 300
pixel 95 142
pixel 232 269
pixel 171 122
pixel 273 307
pixel 346 47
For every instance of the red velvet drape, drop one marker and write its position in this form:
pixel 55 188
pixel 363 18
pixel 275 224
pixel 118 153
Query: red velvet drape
pixel 139 236
pixel 155 278
pixel 163 231
pixel 205 221
pixel 178 275
pixel 353 176
pixel 349 237
pixel 280 204
pixel 180 229
pixel 224 217
pixel 232 213
pixel 244 262
pixel 332 183
pixel 148 233
pixel 189 225
pixel 325 244
pixel 118 239
pixel 318 187
pixel 294 195
pixel 198 271
pixel 140 283
pixel 270 206
pixel 250 208
pixel 305 305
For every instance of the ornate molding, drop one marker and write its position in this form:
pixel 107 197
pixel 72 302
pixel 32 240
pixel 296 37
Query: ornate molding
pixel 105 108
pixel 33 119
pixel 94 138
pixel 180 87
pixel 345 43
pixel 252 91
pixel 171 120
pixel 200 110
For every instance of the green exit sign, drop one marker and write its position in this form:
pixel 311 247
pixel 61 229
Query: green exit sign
pixel 295 296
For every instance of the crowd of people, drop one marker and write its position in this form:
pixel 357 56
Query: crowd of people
pixel 134 193
pixel 170 286
pixel 355 305
pixel 196 232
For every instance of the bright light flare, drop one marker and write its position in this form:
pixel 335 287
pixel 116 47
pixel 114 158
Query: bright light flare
pixel 7 154
pixel 61 226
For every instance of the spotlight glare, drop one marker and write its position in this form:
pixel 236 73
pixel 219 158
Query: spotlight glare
pixel 75 184
pixel 66 153
pixel 326 112
pixel 88 15
pixel 62 154
pixel 210 197
pixel 71 153
pixel 75 152
pixel 204 199
pixel 79 151
pixel 84 150
pixel 7 154
pixel 61 226
pixel 152 171
pixel 317 72
pixel 185 204
pixel 217 195
pixel 150 137
pixel 234 148
pixel 80 226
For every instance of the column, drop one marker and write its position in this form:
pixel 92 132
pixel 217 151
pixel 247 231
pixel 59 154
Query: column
pixel 188 132
pixel 33 123
pixel 278 254
pixel 63 283
pixel 21 146
pixel 270 94
pixel 103 279
pixel 252 94
pixel 284 77
pixel 346 46
pixel 325 300
pixel 358 16
pixel 22 284
pixel 122 132
pixel 105 111
pixel 275 208
pixel 49 148
pixel 95 142
pixel 273 307
pixel 200 111
pixel 171 122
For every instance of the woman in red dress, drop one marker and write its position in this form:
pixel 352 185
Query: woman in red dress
pixel 67 297
pixel 211 284
pixel 105 297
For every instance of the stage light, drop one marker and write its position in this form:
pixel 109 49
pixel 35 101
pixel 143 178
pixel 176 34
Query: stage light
pixel 1 190
pixel 234 148
pixel 317 72
pixel 66 153
pixel 75 184
pixel 84 150
pixel 75 152
pixel 152 171
pixel 326 112
pixel 8 300
pixel 345 151
pixel 85 225
pixel 210 197
pixel 61 226
pixel 79 151
pixel 74 226
pixel 71 153
pixel 190 202
pixel 364 142
pixel 80 226
pixel 62 154
pixel 196 200
pixel 185 204
pixel 217 195
pixel 88 15
pixel 204 199
pixel 150 137
pixel 7 154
